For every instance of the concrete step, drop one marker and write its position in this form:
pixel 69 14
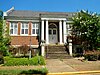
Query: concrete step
pixel 63 56
pixel 56 52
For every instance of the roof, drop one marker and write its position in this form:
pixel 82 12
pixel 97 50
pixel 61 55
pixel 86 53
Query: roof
pixel 25 13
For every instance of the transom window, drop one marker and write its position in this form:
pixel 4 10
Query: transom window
pixel 24 28
pixel 35 28
pixel 13 29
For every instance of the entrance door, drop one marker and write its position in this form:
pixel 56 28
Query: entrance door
pixel 52 34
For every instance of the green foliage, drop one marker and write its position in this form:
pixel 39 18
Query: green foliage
pixel 42 71
pixel 4 40
pixel 37 60
pixel 86 26
pixel 10 72
pixel 91 57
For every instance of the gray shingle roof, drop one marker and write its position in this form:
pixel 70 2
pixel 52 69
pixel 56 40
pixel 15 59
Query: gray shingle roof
pixel 23 13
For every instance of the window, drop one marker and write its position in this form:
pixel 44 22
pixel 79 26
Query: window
pixel 35 28
pixel 13 29
pixel 24 28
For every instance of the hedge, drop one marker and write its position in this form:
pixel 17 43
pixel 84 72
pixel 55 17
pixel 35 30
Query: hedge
pixel 37 60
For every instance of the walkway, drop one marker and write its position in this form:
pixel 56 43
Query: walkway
pixel 56 65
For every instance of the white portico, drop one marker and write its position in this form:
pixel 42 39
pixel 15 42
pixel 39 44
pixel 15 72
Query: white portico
pixel 53 32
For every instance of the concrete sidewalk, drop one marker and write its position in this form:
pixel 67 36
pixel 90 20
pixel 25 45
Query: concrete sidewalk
pixel 56 65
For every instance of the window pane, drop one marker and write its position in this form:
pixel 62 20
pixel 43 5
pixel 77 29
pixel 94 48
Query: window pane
pixel 26 25
pixel 22 25
pixel 22 31
pixel 26 31
pixel 50 32
pixel 33 25
pixel 54 31
pixel 33 31
pixel 11 31
pixel 37 26
pixel 11 25
pixel 15 31
pixel 37 31
pixel 15 26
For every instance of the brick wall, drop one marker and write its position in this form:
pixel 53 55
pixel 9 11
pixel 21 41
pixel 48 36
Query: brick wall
pixel 22 40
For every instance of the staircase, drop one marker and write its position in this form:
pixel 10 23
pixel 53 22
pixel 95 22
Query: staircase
pixel 57 51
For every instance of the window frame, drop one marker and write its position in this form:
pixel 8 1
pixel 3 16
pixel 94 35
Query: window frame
pixel 14 23
pixel 24 29
pixel 35 29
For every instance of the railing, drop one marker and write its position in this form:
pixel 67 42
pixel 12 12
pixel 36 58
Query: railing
pixel 77 73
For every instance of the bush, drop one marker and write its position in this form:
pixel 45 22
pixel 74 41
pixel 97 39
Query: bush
pixel 42 71
pixel 23 51
pixel 91 57
pixel 37 60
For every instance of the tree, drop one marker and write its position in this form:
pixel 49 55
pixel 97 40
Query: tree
pixel 4 39
pixel 86 26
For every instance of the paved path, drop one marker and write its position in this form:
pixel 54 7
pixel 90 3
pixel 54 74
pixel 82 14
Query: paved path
pixel 56 65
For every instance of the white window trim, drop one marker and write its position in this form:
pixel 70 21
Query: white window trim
pixel 10 29
pixel 35 29
pixel 21 30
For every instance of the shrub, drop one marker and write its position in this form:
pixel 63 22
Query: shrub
pixel 23 51
pixel 91 57
pixel 42 71
pixel 37 60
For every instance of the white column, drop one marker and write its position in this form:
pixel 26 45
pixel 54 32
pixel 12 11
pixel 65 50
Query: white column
pixel 43 50
pixel 60 31
pixel 42 30
pixel 70 47
pixel 47 34
pixel 42 38
pixel 64 31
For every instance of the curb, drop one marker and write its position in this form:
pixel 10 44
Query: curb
pixel 73 73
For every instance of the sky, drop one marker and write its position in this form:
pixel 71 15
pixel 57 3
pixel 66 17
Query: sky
pixel 52 5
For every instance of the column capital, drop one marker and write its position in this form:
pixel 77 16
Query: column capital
pixel 42 20
pixel 60 20
pixel 64 20
pixel 46 19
